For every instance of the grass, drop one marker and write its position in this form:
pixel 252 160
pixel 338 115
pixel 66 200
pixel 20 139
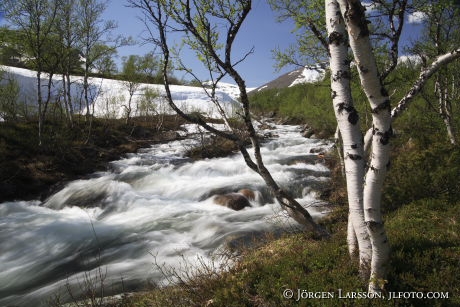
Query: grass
pixel 425 258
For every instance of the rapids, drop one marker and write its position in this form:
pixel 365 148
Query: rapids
pixel 153 205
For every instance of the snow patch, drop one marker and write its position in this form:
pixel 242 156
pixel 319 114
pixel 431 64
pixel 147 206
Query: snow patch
pixel 263 87
pixel 309 75
pixel 409 60
pixel 110 97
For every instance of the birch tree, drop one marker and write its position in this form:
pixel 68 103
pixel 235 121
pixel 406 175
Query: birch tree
pixel 68 32
pixel 375 49
pixel 352 138
pixel 440 34
pixel 35 19
pixel 358 33
pixel 200 21
pixel 95 32
pixel 353 14
pixel 132 81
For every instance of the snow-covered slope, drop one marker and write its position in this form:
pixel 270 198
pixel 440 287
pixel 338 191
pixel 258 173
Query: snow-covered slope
pixel 111 96
pixel 309 75
pixel 298 76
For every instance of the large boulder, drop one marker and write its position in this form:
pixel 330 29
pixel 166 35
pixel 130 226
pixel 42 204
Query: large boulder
pixel 233 201
pixel 252 195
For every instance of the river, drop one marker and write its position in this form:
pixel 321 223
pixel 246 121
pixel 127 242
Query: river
pixel 154 205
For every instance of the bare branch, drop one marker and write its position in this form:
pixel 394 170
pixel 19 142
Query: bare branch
pixel 397 9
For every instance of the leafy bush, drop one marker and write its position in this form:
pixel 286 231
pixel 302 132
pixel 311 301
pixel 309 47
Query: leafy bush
pixel 419 173
pixel 9 94
pixel 308 103
pixel 424 163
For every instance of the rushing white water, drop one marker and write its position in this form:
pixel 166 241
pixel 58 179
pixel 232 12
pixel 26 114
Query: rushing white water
pixel 155 204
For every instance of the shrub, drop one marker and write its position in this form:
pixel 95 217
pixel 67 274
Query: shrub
pixel 308 103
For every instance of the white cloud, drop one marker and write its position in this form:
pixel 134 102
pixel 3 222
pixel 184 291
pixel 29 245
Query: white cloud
pixel 416 17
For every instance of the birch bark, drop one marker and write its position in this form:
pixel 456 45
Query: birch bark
pixel 445 107
pixel 348 122
pixel 354 15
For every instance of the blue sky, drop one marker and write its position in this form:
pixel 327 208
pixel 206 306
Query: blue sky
pixel 260 31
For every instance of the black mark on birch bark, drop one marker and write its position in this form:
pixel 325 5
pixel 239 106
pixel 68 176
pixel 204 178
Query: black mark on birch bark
pixel 336 38
pixel 381 107
pixel 354 157
pixel 355 14
pixel 353 116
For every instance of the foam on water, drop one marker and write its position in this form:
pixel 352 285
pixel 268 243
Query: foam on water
pixel 153 205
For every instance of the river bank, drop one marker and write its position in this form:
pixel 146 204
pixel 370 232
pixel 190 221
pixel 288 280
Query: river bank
pixel 29 171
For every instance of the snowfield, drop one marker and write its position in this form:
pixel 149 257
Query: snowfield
pixel 110 97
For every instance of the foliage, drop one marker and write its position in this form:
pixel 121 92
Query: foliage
pixel 145 69
pixel 11 51
pixel 434 174
pixel 424 165
pixel 147 104
pixel 309 103
pixel 9 95
pixel 310 29
pixel 105 64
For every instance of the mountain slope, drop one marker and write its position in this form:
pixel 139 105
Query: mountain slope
pixel 298 76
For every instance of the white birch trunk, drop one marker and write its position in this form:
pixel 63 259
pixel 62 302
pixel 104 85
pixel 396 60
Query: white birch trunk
pixel 445 109
pixel 354 15
pixel 352 241
pixel 348 122
pixel 338 141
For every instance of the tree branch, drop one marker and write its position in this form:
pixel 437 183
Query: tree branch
pixel 424 76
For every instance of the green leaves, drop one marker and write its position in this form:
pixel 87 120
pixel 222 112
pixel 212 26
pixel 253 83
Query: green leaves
pixel 139 69
pixel 310 29
pixel 209 27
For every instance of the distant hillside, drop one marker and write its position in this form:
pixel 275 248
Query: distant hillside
pixel 298 76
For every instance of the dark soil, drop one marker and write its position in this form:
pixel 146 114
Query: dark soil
pixel 29 171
